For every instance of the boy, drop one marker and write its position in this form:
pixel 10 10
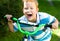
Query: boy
pixel 33 17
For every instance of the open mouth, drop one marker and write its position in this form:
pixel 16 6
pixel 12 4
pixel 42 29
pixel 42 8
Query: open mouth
pixel 29 15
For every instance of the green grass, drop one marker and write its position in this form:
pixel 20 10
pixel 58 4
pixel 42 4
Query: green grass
pixel 54 10
pixel 9 36
pixel 17 36
pixel 57 32
pixel 56 35
pixel 55 38
pixel 44 7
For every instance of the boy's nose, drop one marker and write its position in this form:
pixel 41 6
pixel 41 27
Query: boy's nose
pixel 29 10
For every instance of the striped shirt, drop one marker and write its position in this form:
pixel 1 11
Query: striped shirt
pixel 42 18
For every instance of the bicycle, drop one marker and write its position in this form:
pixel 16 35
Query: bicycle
pixel 26 33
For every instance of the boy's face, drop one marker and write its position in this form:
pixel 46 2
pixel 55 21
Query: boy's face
pixel 30 10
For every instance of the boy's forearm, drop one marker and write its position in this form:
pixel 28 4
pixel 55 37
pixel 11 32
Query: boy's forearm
pixel 10 24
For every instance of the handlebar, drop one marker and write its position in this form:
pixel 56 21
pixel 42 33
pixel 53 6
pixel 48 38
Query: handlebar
pixel 26 32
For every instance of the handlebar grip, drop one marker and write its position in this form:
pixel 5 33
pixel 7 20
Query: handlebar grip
pixel 12 18
pixel 48 25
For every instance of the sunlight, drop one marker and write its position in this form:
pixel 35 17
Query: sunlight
pixel 56 32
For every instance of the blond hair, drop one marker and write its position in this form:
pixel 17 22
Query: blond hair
pixel 35 1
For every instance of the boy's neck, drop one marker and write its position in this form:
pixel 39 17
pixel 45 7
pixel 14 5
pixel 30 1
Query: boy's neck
pixel 33 21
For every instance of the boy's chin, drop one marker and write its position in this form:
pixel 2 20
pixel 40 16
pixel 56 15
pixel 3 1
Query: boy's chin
pixel 30 20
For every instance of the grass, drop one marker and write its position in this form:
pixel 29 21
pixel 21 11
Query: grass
pixel 44 7
pixel 9 36
pixel 17 36
pixel 56 35
pixel 57 32
pixel 54 10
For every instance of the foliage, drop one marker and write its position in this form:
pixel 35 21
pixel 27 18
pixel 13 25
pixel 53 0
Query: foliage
pixel 14 7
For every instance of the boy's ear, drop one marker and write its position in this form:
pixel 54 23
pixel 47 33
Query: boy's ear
pixel 37 9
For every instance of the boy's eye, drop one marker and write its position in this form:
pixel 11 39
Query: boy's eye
pixel 26 8
pixel 31 8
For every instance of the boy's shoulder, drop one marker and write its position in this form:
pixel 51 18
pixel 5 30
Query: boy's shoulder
pixel 43 14
pixel 23 19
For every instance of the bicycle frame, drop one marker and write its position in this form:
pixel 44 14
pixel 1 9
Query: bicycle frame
pixel 26 32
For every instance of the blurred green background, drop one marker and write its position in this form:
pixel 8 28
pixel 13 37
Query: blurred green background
pixel 14 7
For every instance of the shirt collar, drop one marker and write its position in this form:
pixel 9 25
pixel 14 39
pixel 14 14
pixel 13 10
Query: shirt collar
pixel 27 22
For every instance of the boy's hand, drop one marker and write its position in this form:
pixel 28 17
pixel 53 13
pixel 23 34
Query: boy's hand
pixel 10 22
pixel 55 24
pixel 9 17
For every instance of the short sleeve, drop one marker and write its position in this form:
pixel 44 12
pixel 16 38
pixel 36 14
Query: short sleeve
pixel 47 17
pixel 51 19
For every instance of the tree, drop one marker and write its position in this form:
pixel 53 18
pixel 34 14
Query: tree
pixel 13 7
